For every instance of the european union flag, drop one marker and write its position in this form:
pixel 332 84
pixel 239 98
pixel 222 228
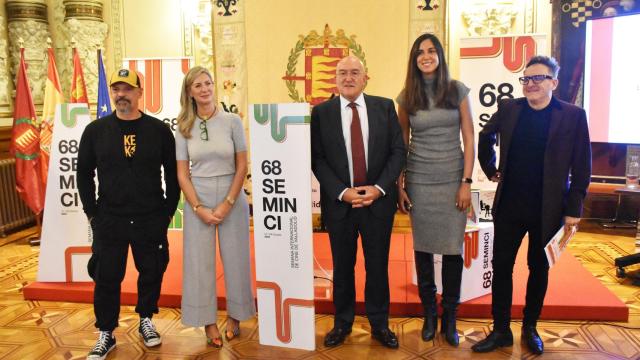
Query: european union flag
pixel 104 104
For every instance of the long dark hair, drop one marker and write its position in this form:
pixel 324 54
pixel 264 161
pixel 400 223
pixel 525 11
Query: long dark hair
pixel 445 91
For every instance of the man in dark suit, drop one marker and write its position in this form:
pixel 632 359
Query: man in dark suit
pixel 543 175
pixel 357 154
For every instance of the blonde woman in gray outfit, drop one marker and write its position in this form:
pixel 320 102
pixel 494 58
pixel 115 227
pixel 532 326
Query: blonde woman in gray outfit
pixel 212 164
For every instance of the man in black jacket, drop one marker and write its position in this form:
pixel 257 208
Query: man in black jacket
pixel 543 175
pixel 130 151
pixel 357 153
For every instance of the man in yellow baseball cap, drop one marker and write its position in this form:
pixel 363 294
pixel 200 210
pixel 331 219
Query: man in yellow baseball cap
pixel 129 150
pixel 126 76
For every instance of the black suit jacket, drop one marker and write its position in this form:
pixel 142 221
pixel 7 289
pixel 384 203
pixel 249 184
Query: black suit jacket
pixel 386 155
pixel 568 152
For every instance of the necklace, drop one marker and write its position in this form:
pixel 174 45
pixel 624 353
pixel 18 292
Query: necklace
pixel 205 118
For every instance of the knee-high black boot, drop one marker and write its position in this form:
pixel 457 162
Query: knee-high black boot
pixel 451 279
pixel 427 291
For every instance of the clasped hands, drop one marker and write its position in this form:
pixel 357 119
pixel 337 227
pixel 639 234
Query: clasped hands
pixel 214 216
pixel 361 196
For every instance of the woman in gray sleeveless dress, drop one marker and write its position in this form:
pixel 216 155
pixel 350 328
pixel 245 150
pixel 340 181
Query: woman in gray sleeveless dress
pixel 436 186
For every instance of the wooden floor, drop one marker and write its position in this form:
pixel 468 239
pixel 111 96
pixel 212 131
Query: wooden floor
pixel 55 330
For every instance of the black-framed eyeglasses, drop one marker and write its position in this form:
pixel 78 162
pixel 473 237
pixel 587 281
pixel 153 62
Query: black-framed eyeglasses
pixel 537 79
pixel 204 133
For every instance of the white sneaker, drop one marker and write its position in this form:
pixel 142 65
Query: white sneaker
pixel 106 342
pixel 148 332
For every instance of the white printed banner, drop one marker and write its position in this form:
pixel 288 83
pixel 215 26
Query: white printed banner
pixel 281 177
pixel 490 67
pixel 66 236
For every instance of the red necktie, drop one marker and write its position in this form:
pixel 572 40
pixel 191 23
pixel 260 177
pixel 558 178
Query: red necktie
pixel 357 149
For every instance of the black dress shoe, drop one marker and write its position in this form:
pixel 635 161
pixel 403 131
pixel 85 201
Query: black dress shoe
pixel 386 337
pixel 336 336
pixel 493 341
pixel 532 339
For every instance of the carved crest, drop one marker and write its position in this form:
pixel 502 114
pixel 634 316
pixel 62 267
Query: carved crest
pixel 321 55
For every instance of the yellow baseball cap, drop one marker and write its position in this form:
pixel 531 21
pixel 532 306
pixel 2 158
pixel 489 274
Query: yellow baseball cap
pixel 126 76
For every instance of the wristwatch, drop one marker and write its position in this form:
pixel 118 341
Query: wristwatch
pixel 467 180
pixel 230 200
pixel 196 206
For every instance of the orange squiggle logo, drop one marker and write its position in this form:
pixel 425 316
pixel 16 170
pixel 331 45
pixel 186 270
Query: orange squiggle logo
pixel 516 51
pixel 68 254
pixel 283 309
pixel 484 51
pixel 516 55
pixel 151 82
pixel 471 248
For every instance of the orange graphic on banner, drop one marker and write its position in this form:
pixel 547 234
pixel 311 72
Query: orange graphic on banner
pixel 185 66
pixel 151 82
pixel 516 51
pixel 68 253
pixel 283 309
pixel 153 86
pixel 483 51
pixel 471 248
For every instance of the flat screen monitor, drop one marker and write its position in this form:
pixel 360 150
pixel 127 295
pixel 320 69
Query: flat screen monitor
pixel 612 79
pixel 608 162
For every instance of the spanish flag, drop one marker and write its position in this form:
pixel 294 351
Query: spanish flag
pixel 52 97
pixel 78 87
pixel 25 143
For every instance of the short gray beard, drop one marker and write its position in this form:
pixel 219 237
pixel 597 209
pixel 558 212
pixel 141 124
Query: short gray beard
pixel 126 109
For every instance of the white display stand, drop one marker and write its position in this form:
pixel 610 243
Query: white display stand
pixel 65 248
pixel 281 179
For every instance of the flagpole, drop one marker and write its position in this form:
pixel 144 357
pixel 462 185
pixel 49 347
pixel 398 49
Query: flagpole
pixel 99 56
pixel 34 239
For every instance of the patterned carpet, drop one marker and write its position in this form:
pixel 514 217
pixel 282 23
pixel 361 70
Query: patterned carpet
pixel 56 330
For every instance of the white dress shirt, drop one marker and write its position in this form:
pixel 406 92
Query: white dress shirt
pixel 347 116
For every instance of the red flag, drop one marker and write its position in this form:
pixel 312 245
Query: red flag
pixel 25 144
pixel 78 87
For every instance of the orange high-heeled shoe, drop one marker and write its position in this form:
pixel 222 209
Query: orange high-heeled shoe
pixel 232 334
pixel 215 342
